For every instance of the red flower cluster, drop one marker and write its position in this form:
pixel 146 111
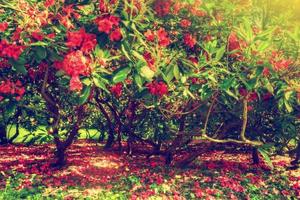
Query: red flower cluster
pixel 110 25
pixel 75 84
pixel 10 50
pixel 162 7
pixel 37 35
pixel 49 3
pixel 8 87
pixel 233 185
pixel 278 62
pixel 163 38
pixel 235 44
pixel 157 88
pixel 117 90
pixel 161 35
pixel 185 23
pixel 3 26
pixel 252 96
pixel 86 42
pixel 17 34
pixel 150 61
pixel 104 5
pixel 189 40
pixel 74 65
pixel 35 73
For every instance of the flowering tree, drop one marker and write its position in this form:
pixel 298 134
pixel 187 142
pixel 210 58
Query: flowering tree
pixel 153 71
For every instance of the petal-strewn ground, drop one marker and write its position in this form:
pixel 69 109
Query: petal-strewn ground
pixel 97 174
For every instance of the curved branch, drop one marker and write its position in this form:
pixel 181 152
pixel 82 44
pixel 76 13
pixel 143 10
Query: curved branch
pixel 243 140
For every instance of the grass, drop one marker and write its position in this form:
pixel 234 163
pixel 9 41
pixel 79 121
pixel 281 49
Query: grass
pixel 41 131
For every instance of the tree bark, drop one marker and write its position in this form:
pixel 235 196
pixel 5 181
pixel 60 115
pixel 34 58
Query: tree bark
pixel 3 137
pixel 255 156
pixel 297 158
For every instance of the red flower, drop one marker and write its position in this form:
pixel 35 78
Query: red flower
pixel 8 87
pixel 235 44
pixel 75 84
pixel 250 108
pixel 117 90
pixel 189 40
pixel 89 42
pixel 37 35
pixel 114 20
pixel 49 3
pixel 3 26
pixel 115 35
pixel 74 39
pixel 17 34
pixel 253 96
pixel 51 35
pixel 185 23
pixel 199 193
pixel 278 62
pixel 243 92
pixel 10 50
pixel 74 64
pixel 194 60
pixel 157 88
pixel 150 61
pixel 266 71
pixel 267 96
pixel 163 38
pixel 105 25
pixel 150 36
pixel 207 38
pixel 66 22
pixel 162 7
pixel 103 6
pixel 81 39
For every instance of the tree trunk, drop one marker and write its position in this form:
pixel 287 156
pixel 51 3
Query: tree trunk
pixel 3 137
pixel 255 157
pixel 119 140
pixel 17 133
pixel 297 158
pixel 60 155
pixel 101 137
pixel 110 141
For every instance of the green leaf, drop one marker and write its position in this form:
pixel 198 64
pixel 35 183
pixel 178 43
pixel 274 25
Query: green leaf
pixel 125 50
pixel 263 46
pixel 40 52
pixel 259 70
pixel 19 65
pixel 39 43
pixel 10 109
pixel 227 83
pixel 269 86
pixel 220 53
pixel 121 74
pixel 251 84
pixel 86 81
pixel 146 72
pixel 54 56
pixel 265 156
pixel 100 83
pixel 138 55
pixel 20 68
pixel 288 106
pixel 176 72
pixel 85 95
pixel 138 80
pixel 231 94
